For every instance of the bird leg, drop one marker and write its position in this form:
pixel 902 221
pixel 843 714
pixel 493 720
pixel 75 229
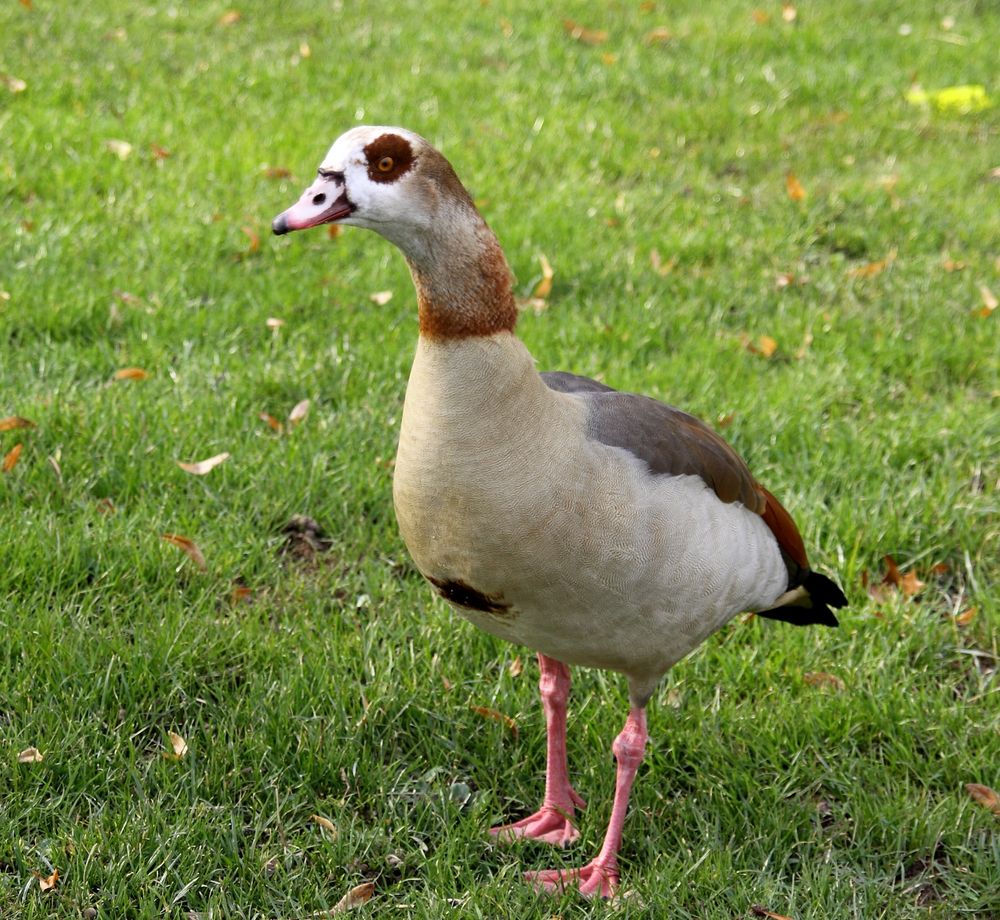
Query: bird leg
pixel 552 823
pixel 600 876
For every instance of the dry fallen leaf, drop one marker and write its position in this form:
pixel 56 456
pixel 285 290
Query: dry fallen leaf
pixel 966 616
pixel 189 547
pixel 360 894
pixel 760 17
pixel 581 34
pixel 105 506
pixel 659 266
pixel 380 298
pixel 515 667
pixel 179 745
pixel 759 911
pixel 277 172
pixel 324 823
pixel 240 594
pixel 253 236
pixel 952 265
pixel 909 584
pixel 15 421
pixel 30 755
pixel 873 268
pixel 488 713
pixel 334 230
pixel 159 153
pixel 906 584
pixel 822 679
pixel 795 189
pixel 47 882
pixel 984 796
pixel 10 460
pixel 788 12
pixel 544 287
pixel 299 412
pixel 989 301
pixel 658 36
pixel 201 467
pixel 271 421
pixel 273 323
pixel 305 50
pixel 764 345
pixel 130 373
pixel 121 149
pixel 230 17
pixel 14 84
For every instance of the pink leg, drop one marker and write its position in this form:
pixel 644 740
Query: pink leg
pixel 552 823
pixel 600 875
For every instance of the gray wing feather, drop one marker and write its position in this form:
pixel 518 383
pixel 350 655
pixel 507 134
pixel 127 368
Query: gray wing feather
pixel 669 441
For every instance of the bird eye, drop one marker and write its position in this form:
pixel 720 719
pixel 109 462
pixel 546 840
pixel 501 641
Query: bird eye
pixel 385 164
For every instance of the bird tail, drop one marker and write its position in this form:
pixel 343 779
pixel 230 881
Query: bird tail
pixel 809 603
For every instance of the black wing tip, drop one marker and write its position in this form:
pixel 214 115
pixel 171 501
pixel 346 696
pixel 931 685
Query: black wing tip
pixel 823 592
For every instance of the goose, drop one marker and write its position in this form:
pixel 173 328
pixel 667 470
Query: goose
pixel 598 528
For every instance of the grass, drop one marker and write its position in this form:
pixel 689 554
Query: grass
pixel 343 688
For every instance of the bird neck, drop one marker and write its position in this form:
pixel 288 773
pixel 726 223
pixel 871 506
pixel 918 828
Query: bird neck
pixel 463 283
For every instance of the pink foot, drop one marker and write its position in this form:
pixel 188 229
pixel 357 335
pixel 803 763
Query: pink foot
pixel 596 879
pixel 549 825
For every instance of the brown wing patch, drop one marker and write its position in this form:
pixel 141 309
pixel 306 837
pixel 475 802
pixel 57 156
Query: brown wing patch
pixel 389 157
pixel 783 527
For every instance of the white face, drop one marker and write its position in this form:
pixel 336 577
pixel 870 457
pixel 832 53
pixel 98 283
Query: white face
pixel 369 178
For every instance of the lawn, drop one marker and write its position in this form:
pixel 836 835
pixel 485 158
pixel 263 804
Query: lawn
pixel 656 154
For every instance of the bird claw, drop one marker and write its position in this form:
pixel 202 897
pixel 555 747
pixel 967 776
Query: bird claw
pixel 595 879
pixel 548 825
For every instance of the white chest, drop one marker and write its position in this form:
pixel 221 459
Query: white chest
pixel 546 538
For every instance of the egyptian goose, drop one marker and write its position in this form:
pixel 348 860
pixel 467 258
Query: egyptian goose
pixel 598 528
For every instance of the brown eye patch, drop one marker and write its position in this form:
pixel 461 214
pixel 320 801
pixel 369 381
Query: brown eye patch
pixel 389 157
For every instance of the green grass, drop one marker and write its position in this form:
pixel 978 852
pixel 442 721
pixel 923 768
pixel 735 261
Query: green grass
pixel 344 688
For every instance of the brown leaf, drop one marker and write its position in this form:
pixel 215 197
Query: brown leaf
pixel 544 287
pixel 989 301
pixel 759 911
pixel 277 172
pixel 179 745
pixel 271 421
pixel 582 34
pixel 951 265
pixel 783 280
pixel 105 506
pixel 201 467
pixel 273 323
pixel 765 345
pixel 984 796
pixel 515 667
pixel 966 616
pixel 788 12
pixel 299 412
pixel 187 546
pixel 360 894
pixel 659 266
pixel 324 823
pixel 30 755
pixel 822 679
pixel 760 17
pixel 26 4
pixel 305 50
pixel 334 230
pixel 10 460
pixel 130 373
pixel 909 584
pixel 230 17
pixel 724 421
pixel 254 237
pixel 380 298
pixel 487 713
pixel 658 36
pixel 47 882
pixel 159 153
pixel 873 268
pixel 15 421
pixel 795 189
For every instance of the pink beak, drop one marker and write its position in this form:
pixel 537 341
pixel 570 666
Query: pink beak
pixel 324 202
